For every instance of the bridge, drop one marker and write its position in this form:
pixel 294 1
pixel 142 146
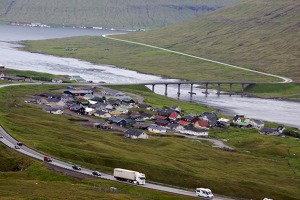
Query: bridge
pixel 205 83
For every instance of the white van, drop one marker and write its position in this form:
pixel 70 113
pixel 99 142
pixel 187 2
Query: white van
pixel 204 193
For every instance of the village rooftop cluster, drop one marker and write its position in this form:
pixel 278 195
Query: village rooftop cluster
pixel 120 112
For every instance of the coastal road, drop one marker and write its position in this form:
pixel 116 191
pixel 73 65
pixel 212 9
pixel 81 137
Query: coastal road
pixel 284 79
pixel 9 141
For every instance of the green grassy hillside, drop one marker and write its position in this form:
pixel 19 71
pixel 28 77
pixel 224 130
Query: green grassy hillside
pixel 267 165
pixel 258 34
pixel 106 13
pixel 25 178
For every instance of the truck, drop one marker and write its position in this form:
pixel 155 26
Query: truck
pixel 129 176
pixel 204 193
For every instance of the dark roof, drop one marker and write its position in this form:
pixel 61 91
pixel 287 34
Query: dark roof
pixel 267 130
pixel 154 126
pixel 161 121
pixel 173 125
pixel 141 125
pixel 146 115
pixel 52 109
pixel 53 100
pixel 100 112
pixel 99 105
pixel 115 119
pixel 133 132
pixel 188 118
pixel 144 105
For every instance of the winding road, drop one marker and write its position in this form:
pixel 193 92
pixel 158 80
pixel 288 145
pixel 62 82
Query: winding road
pixel 9 141
pixel 284 79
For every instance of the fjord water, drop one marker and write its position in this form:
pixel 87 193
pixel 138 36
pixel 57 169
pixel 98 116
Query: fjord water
pixel 266 109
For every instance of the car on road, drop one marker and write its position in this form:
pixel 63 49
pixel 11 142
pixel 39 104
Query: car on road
pixel 19 143
pixel 1 136
pixel 17 147
pixel 76 167
pixel 96 173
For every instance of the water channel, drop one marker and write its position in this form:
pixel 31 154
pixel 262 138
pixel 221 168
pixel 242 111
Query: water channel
pixel 266 109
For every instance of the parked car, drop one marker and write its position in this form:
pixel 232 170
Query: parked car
pixel 1 136
pixel 19 143
pixel 96 173
pixel 75 167
pixel 17 147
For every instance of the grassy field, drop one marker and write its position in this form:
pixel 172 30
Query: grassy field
pixel 267 165
pixel 118 14
pixel 287 91
pixel 143 59
pixel 35 181
pixel 258 34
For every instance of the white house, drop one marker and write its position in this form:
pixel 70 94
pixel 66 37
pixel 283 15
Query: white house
pixel 157 129
pixel 56 111
pixel 134 134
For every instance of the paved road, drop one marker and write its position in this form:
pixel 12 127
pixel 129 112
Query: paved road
pixel 284 79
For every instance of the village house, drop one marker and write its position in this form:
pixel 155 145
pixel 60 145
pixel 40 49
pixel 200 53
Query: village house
pixel 189 118
pixel 258 124
pixel 162 122
pixel 102 114
pixel 201 124
pixel 157 129
pixel 102 125
pixel 139 125
pixel 194 132
pixel 184 123
pixel 212 118
pixel 272 131
pixel 55 80
pixel 174 116
pixel 223 122
pixel 118 121
pixel 134 134
pixel 174 127
pixel 115 112
pixel 2 74
pixel 78 92
pixel 56 111
pixel 79 109
pixel 53 102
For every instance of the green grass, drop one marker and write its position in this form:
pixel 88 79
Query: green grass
pixel 256 34
pixel 35 181
pixel 118 14
pixel 291 90
pixel 143 59
pixel 268 169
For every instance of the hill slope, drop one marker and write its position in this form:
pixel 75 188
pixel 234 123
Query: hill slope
pixel 106 13
pixel 258 34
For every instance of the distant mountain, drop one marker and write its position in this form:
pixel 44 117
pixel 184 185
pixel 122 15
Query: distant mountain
pixel 262 35
pixel 108 13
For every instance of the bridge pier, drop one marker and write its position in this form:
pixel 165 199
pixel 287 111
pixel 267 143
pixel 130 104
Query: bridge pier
pixel 206 89
pixel 242 89
pixel 230 91
pixel 178 92
pixel 219 89
pixel 191 92
pixel 166 89
pixel 153 87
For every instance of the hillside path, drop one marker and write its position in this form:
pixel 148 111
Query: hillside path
pixel 284 79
